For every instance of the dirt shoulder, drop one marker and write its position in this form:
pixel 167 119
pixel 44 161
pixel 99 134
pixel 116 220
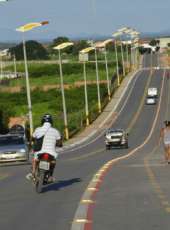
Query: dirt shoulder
pixel 17 89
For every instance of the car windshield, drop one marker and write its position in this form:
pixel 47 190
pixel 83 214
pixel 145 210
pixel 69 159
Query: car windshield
pixel 11 140
pixel 115 132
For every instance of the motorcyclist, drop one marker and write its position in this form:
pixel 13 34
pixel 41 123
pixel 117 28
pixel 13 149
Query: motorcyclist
pixel 165 136
pixel 51 139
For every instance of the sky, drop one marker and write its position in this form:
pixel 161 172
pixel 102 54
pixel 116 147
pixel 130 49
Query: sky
pixel 82 17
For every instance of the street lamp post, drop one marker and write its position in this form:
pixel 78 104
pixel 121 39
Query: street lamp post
pixel 117 64
pixel 24 29
pixel 136 40
pixel 2 54
pixel 126 30
pixel 123 63
pixel 1 66
pixel 103 45
pixel 134 54
pixel 28 87
pixel 83 52
pixel 119 34
pixel 116 53
pixel 127 55
pixel 85 94
pixel 59 48
pixel 15 66
pixel 132 32
pixel 107 74
pixel 97 80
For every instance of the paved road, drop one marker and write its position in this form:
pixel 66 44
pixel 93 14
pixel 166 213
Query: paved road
pixel 135 192
pixel 128 195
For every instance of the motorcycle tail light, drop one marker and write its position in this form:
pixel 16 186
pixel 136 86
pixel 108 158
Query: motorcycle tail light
pixel 45 156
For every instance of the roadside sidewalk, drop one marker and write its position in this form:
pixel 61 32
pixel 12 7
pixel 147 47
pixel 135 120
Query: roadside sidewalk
pixel 104 120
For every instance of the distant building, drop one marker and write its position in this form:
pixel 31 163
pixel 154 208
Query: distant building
pixel 164 42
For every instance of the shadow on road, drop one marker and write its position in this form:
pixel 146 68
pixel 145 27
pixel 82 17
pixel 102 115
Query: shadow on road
pixel 61 184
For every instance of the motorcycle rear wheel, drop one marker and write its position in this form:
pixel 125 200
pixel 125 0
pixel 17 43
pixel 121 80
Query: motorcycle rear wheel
pixel 40 181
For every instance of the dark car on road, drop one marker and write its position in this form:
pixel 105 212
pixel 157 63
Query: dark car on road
pixel 13 148
pixel 116 138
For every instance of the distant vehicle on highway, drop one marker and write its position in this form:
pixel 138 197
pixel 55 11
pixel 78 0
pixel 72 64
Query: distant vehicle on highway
pixel 150 100
pixel 13 148
pixel 152 92
pixel 116 138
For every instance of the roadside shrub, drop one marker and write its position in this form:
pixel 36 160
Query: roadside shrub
pixel 51 102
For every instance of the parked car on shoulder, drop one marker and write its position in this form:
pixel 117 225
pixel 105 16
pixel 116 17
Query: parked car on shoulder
pixel 116 138
pixel 13 147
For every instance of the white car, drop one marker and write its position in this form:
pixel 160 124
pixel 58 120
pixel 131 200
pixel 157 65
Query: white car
pixel 150 100
pixel 116 138
pixel 152 92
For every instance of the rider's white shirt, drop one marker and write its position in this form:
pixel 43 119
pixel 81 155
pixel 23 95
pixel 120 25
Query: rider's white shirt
pixel 50 138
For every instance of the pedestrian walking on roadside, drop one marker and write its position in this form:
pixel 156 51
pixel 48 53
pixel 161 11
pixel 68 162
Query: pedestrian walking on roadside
pixel 165 136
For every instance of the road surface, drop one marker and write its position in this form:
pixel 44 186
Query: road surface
pixel 133 194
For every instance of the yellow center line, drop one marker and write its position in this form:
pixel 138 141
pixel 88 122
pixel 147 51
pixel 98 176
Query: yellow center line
pixel 134 119
pixel 92 187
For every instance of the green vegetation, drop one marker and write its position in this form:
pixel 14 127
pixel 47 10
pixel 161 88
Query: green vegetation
pixel 51 102
pixel 35 51
pixel 48 74
pixel 38 70
pixel 38 51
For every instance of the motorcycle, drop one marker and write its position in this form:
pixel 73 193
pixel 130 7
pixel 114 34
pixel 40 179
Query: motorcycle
pixel 44 167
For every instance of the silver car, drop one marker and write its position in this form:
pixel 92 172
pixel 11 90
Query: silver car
pixel 116 138
pixel 13 148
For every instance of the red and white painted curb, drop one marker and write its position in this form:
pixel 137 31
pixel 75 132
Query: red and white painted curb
pixel 83 216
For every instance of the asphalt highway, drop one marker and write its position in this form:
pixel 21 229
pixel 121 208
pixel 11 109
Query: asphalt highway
pixel 133 194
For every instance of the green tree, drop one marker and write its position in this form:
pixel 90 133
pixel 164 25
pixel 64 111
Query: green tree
pixel 35 51
pixel 79 45
pixel 58 41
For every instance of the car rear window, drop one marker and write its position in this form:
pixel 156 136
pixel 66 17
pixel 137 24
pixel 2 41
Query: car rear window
pixel 11 140
pixel 115 133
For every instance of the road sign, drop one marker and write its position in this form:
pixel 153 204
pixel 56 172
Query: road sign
pixel 83 57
